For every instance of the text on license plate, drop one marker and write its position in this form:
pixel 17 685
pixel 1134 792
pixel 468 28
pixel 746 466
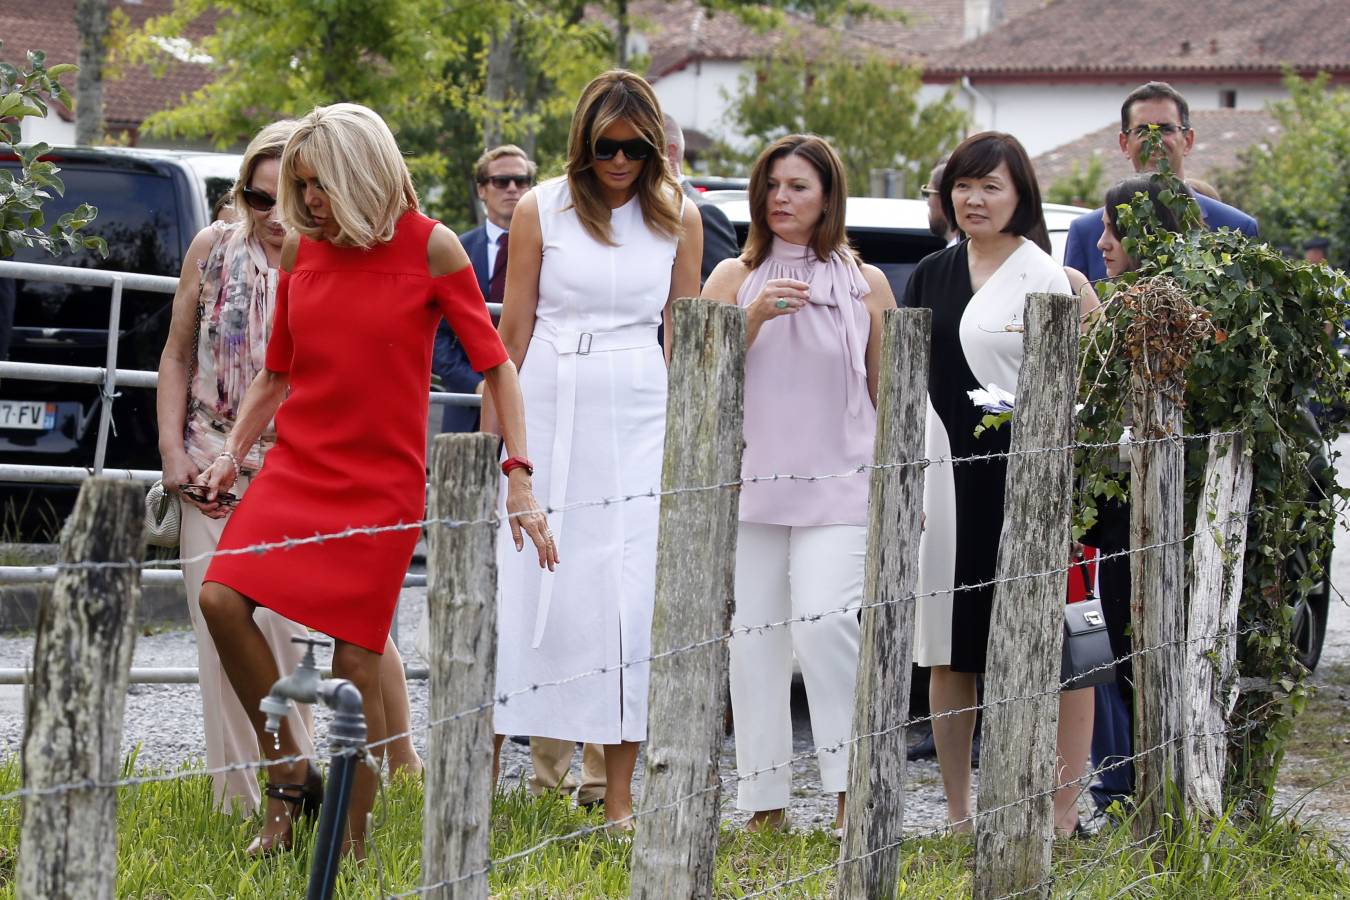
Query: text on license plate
pixel 33 415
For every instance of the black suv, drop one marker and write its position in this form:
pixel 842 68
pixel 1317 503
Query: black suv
pixel 151 203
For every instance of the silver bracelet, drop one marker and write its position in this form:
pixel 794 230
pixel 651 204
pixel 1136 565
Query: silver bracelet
pixel 234 461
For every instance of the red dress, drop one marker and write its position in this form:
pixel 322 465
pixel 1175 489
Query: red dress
pixel 354 330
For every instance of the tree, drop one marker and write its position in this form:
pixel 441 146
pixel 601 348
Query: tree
pixel 24 94
pixel 867 107
pixel 1298 186
pixel 1081 187
pixel 91 18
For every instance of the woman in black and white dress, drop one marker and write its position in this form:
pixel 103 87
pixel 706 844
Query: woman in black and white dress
pixel 977 292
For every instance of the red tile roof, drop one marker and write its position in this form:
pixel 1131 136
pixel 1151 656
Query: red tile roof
pixel 49 25
pixel 1159 36
pixel 682 31
pixel 1220 135
pixel 931 25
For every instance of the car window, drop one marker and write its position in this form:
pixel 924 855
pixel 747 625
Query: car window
pixel 138 217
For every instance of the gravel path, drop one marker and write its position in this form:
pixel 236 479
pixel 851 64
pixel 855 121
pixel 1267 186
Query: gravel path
pixel 163 722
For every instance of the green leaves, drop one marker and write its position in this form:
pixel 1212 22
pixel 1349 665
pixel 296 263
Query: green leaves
pixel 1270 357
pixel 21 219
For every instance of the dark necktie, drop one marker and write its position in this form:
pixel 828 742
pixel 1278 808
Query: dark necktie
pixel 497 286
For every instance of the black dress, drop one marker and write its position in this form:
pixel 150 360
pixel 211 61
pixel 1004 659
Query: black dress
pixel 972 346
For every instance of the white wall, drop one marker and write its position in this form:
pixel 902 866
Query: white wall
pixel 693 95
pixel 1046 115
pixel 53 129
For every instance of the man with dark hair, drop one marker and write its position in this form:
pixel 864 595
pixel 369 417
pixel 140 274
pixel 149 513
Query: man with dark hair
pixel 502 175
pixel 937 219
pixel 719 236
pixel 1315 250
pixel 1153 104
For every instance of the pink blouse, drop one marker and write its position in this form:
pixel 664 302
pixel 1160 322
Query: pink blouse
pixel 807 410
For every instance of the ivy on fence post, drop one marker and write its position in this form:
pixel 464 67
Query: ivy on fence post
pixel 1272 364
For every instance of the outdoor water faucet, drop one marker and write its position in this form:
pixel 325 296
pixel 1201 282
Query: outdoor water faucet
pixel 302 685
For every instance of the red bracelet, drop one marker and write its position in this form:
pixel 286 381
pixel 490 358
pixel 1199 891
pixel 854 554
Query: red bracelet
pixel 517 462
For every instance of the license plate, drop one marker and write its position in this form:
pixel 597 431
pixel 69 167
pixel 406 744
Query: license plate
pixel 29 415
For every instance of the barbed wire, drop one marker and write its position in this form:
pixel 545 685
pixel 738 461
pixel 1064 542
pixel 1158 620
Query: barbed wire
pixel 505 697
pixel 651 494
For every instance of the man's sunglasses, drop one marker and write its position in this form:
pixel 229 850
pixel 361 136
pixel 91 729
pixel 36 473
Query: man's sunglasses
pixel 258 200
pixel 1166 130
pixel 927 191
pixel 636 149
pixel 502 182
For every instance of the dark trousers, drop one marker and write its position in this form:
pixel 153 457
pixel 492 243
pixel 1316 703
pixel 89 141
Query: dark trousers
pixel 1113 723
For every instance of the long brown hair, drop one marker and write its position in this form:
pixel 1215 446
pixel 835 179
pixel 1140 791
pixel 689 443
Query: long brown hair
pixel 829 234
pixel 615 96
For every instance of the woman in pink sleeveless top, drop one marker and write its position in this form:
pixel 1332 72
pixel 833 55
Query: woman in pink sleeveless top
pixel 814 341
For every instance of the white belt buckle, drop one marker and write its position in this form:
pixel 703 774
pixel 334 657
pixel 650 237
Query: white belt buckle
pixel 584 343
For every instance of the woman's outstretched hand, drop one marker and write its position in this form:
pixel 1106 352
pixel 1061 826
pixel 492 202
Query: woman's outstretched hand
pixel 527 518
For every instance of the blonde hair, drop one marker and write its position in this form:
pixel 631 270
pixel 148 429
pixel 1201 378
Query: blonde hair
pixel 266 144
pixel 616 96
pixel 354 156
pixel 480 168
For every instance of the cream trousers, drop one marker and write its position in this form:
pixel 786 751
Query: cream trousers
pixel 230 737
pixel 784 573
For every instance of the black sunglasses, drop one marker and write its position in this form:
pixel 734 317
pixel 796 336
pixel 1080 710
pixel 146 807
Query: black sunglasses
pixel 502 182
pixel 636 149
pixel 258 200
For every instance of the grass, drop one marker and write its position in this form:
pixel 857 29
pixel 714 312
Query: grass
pixel 1318 755
pixel 171 844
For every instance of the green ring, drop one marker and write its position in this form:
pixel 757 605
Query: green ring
pixel 781 304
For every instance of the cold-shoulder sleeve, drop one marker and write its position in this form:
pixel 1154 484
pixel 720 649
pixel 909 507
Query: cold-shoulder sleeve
pixel 461 302
pixel 280 346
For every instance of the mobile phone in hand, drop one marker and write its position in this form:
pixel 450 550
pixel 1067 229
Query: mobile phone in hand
pixel 200 493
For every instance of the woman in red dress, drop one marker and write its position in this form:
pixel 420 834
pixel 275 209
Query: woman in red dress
pixel 364 284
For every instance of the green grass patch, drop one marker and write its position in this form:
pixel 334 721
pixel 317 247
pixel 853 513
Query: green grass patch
pixel 173 845
pixel 1318 755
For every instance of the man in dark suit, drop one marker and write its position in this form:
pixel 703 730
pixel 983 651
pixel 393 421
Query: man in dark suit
pixel 1155 103
pixel 719 236
pixel 503 175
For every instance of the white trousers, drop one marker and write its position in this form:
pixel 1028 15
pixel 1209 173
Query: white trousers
pixel 784 573
pixel 230 737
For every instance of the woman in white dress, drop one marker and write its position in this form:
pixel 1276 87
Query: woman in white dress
pixel 596 257
pixel 977 291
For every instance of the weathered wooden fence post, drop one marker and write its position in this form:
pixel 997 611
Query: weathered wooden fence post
pixel 462 604
pixel 1211 645
pixel 676 838
pixel 73 730
pixel 1158 574
pixel 874 811
pixel 1015 825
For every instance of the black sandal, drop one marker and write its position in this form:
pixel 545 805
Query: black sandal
pixel 304 801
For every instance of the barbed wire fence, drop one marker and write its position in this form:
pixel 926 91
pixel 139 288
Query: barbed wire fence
pixel 83 644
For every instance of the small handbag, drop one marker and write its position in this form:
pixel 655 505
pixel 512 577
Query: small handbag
pixel 164 508
pixel 1086 660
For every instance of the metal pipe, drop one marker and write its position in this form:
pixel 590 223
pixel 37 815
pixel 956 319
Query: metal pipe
pixel 45 574
pixel 70 474
pixel 346 739
pixel 138 378
pixel 135 281
pixel 182 675
pixel 109 375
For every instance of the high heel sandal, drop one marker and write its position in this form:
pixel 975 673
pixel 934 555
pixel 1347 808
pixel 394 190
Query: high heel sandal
pixel 304 801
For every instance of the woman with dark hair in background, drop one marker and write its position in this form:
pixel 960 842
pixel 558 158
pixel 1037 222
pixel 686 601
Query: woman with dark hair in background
pixel 977 291
pixel 813 330
pixel 596 259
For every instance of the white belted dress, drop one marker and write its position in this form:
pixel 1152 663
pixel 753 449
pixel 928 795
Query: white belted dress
pixel 594 384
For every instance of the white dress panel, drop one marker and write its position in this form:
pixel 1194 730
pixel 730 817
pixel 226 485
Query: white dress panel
pixel 595 424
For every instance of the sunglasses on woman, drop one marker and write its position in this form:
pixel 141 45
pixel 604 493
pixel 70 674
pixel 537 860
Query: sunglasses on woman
pixel 258 200
pixel 636 149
